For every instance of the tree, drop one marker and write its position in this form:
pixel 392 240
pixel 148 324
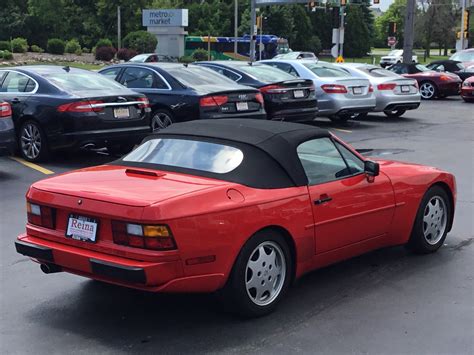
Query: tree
pixel 395 13
pixel 357 41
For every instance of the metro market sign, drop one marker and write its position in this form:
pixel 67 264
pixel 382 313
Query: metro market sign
pixel 165 18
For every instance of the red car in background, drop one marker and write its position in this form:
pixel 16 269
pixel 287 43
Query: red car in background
pixel 432 84
pixel 241 206
pixel 467 89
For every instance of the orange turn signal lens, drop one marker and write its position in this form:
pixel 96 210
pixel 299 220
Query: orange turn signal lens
pixel 156 231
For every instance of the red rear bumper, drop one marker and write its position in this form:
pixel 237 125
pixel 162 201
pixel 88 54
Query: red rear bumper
pixel 151 276
pixel 467 92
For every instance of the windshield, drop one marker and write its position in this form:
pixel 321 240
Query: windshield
pixel 196 76
pixel 189 154
pixel 139 58
pixel 266 73
pixel 326 71
pixel 422 67
pixel 396 53
pixel 83 81
pixel 464 56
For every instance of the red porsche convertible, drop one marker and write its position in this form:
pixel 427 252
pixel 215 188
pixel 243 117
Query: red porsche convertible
pixel 240 206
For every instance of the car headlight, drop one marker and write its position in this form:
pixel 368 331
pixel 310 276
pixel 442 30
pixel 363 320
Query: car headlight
pixel 466 84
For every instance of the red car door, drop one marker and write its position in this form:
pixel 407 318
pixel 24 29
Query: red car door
pixel 347 208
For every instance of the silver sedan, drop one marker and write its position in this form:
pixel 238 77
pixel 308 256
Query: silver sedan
pixel 340 95
pixel 394 94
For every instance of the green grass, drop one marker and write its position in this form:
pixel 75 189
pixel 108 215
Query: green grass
pixel 71 64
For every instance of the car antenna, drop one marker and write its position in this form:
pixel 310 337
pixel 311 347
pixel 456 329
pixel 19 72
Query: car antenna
pixel 67 68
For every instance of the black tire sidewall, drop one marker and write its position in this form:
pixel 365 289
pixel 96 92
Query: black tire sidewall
pixel 394 114
pixel 235 291
pixel 44 151
pixel 417 240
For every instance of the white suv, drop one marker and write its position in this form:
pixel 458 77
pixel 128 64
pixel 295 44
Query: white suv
pixel 394 57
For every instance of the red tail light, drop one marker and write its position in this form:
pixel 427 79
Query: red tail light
pixel 259 98
pixel 371 88
pixel 387 86
pixel 273 89
pixel 81 106
pixel 334 89
pixel 40 215
pixel 154 237
pixel 210 101
pixel 145 103
pixel 5 109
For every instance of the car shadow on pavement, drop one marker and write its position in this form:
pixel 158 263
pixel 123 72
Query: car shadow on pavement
pixel 135 321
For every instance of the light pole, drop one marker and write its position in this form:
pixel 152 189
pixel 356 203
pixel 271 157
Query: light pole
pixel 409 32
pixel 236 27
pixel 253 31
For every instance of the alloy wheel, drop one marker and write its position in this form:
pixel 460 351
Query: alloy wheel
pixel 427 90
pixel 160 120
pixel 434 220
pixel 265 273
pixel 30 141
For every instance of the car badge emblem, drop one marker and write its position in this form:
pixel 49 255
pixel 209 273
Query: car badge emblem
pixel 242 97
pixel 79 202
pixel 122 99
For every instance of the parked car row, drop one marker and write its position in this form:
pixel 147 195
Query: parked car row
pixel 56 107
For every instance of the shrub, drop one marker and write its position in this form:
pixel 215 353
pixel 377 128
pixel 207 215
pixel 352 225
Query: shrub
pixel 105 53
pixel 85 50
pixel 126 54
pixel 103 42
pixel 55 46
pixel 78 51
pixel 186 59
pixel 199 54
pixel 7 55
pixel 140 41
pixel 19 45
pixel 36 49
pixel 5 46
pixel 72 46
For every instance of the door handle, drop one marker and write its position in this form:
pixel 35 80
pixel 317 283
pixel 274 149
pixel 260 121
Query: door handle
pixel 322 199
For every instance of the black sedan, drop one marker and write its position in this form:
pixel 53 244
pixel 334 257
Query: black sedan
pixel 286 98
pixel 58 107
pixel 182 92
pixel 7 130
pixel 452 66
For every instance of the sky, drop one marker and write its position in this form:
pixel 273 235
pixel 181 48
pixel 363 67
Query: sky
pixel 384 4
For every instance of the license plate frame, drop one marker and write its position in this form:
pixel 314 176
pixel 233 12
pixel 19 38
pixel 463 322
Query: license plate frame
pixel 298 94
pixel 405 88
pixel 357 90
pixel 122 112
pixel 88 230
pixel 242 106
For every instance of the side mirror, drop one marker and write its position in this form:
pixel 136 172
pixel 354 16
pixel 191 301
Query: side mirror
pixel 371 168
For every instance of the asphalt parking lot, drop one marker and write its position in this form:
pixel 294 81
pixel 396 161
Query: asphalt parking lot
pixel 386 302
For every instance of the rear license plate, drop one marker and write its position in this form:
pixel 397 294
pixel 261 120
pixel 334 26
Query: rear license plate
pixel 405 88
pixel 242 106
pixel 82 228
pixel 121 112
pixel 357 91
pixel 298 94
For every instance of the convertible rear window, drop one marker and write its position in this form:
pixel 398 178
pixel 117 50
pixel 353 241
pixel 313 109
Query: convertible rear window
pixel 188 154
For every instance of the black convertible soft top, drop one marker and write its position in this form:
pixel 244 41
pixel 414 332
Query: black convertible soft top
pixel 269 147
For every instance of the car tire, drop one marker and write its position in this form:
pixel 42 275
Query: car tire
pixel 428 90
pixel 361 116
pixel 160 119
pixel 431 222
pixel 32 142
pixel 260 276
pixel 394 113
